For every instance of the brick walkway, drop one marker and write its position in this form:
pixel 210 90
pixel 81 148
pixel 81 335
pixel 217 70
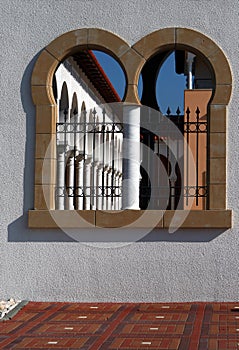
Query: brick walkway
pixel 182 326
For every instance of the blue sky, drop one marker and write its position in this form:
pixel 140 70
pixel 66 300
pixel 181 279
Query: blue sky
pixel 169 87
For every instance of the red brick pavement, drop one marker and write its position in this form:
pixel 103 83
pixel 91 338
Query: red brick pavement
pixel 181 326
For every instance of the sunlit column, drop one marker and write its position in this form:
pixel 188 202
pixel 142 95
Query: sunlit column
pixel 60 178
pixel 94 170
pixel 113 198
pixel 67 135
pixel 120 172
pixel 79 184
pixel 77 131
pixel 87 178
pixel 81 138
pixel 109 189
pixel 117 191
pixel 120 190
pixel 99 197
pixel 70 184
pixel 131 157
pixel 105 189
pixel 71 130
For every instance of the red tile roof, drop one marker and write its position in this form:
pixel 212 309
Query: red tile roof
pixel 89 64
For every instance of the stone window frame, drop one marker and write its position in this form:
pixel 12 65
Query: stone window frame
pixel 131 59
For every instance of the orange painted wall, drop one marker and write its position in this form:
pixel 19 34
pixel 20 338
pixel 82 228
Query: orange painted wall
pixel 192 100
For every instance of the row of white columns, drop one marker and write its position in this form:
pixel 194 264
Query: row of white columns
pixel 78 174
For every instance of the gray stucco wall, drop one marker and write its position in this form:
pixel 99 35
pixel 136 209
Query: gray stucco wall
pixel 49 265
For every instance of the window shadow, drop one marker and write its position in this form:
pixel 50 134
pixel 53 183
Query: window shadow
pixel 183 235
pixel 18 230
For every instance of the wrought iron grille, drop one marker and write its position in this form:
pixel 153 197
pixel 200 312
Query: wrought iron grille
pixel 90 167
pixel 89 170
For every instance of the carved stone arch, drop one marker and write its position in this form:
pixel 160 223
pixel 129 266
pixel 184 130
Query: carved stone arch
pixel 63 102
pixel 188 39
pixel 196 42
pixel 68 44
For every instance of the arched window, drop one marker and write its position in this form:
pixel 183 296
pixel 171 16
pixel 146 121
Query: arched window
pixel 133 60
pixel 185 180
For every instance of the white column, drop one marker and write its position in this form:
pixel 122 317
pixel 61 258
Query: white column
pixel 105 198
pixel 61 178
pixel 80 137
pixel 94 167
pixel 87 191
pixel 70 183
pixel 98 169
pixel 77 133
pixel 71 130
pixel 116 199
pixel 131 157
pixel 114 185
pixel 120 174
pixel 99 197
pixel 109 174
pixel 79 184
pixel 67 136
pixel 120 198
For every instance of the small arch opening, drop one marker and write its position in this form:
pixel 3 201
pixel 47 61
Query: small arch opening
pixel 63 103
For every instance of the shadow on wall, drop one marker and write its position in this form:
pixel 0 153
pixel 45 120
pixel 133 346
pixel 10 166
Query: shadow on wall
pixel 18 230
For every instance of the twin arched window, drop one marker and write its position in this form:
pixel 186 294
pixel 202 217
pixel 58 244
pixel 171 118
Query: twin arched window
pixel 134 60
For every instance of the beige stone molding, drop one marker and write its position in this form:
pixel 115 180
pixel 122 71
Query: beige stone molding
pixel 131 60
pixel 154 219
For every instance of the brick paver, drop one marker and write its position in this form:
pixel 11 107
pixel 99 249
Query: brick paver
pixel 101 326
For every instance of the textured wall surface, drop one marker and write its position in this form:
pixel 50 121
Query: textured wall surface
pixel 49 264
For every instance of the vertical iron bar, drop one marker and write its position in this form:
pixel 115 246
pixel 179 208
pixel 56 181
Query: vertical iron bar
pixel 65 165
pixel 187 155
pixel 74 130
pixel 197 145
pixel 208 157
pixel 103 154
pixel 168 171
pixel 84 155
pixel 178 183
pixel 93 191
pixel 113 163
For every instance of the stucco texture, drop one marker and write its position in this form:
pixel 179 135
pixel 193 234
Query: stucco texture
pixel 187 265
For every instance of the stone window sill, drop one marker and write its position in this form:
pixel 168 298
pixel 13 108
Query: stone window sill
pixel 155 219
